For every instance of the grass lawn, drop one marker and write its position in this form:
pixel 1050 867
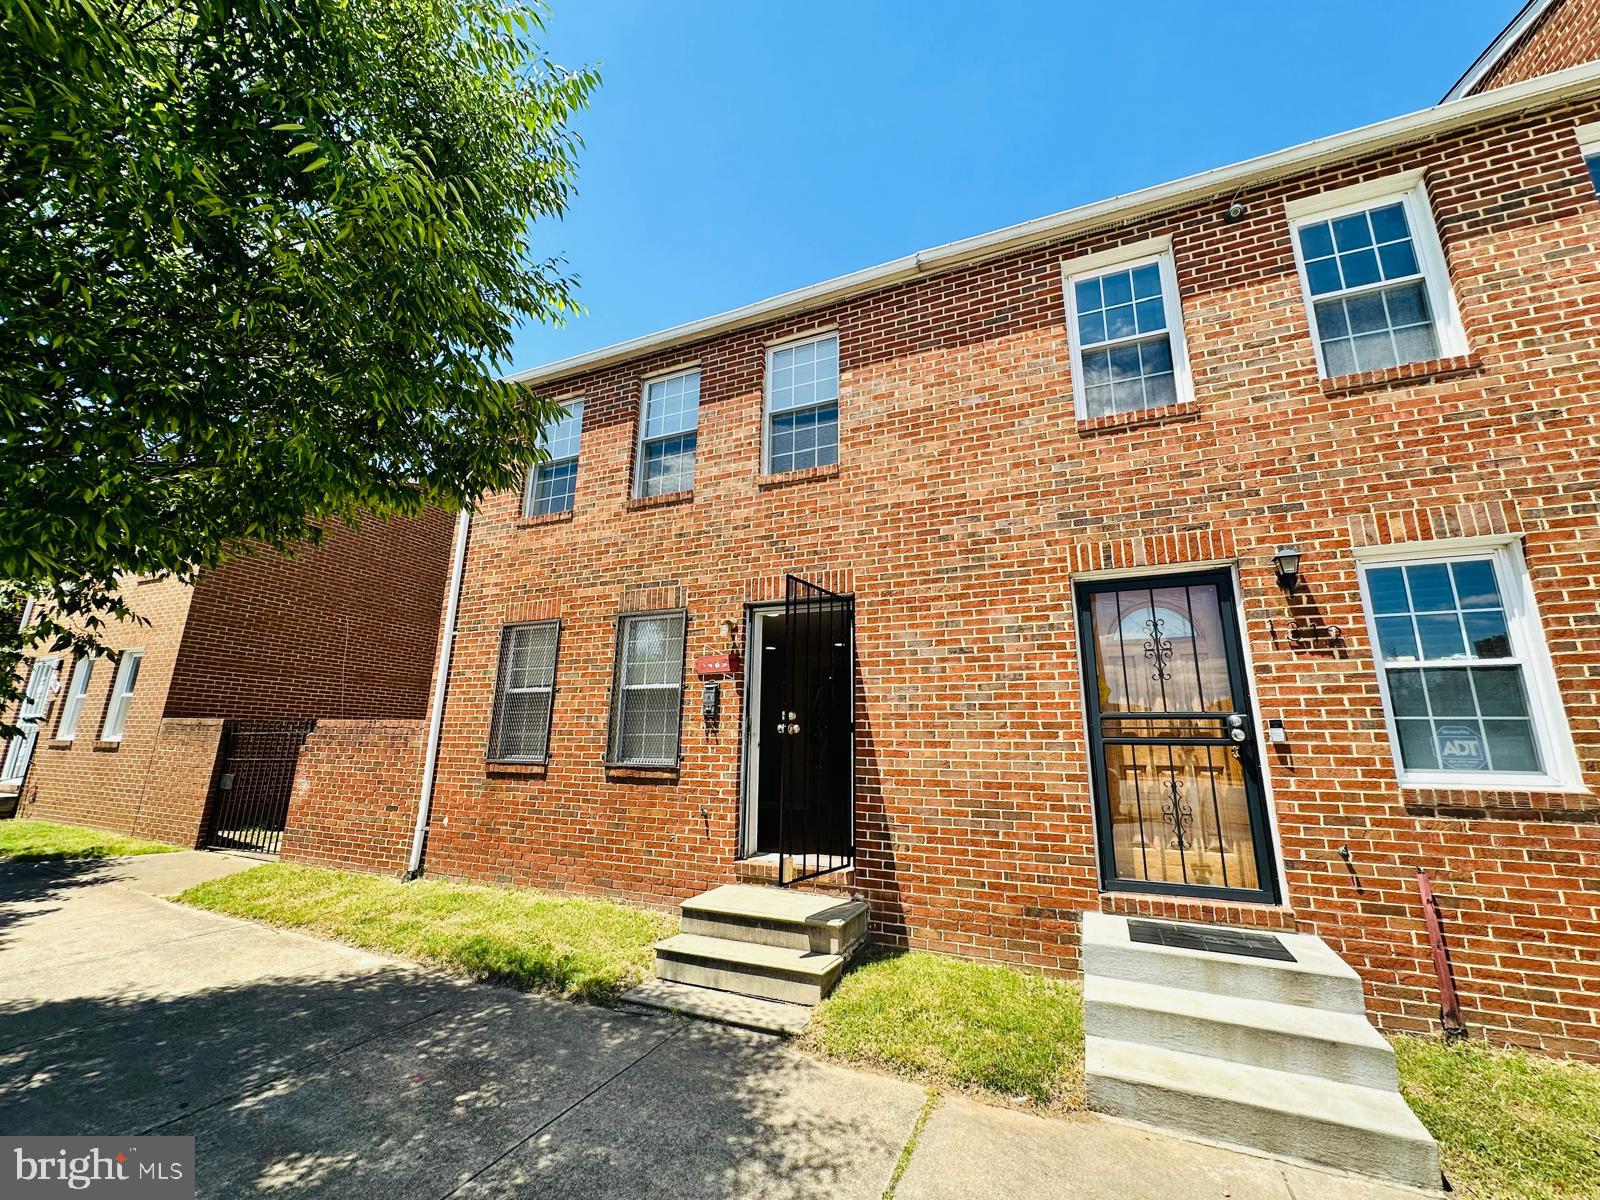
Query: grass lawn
pixel 1510 1125
pixel 574 946
pixel 23 840
pixel 958 1024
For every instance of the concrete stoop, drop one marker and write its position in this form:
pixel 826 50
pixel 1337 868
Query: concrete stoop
pixel 1271 1055
pixel 758 957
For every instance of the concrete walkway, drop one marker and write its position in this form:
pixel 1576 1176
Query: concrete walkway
pixel 307 1069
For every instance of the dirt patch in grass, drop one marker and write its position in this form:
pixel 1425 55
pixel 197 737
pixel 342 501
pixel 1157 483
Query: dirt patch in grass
pixel 24 840
pixel 1510 1125
pixel 574 946
pixel 1006 1033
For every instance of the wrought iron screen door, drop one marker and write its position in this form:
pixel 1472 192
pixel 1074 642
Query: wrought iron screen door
pixel 816 728
pixel 1177 772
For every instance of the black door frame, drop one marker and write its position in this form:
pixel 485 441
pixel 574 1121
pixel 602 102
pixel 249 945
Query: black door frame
pixel 1253 771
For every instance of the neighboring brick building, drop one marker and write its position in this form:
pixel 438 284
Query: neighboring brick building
pixel 230 676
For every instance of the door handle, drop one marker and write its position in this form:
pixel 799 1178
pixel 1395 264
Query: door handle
pixel 1238 735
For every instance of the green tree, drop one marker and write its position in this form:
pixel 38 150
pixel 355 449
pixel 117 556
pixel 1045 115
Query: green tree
pixel 260 266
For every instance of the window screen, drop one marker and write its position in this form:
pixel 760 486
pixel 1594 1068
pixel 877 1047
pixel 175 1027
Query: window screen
pixel 647 698
pixel 524 693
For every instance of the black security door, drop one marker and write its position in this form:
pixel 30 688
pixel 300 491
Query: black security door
pixel 816 732
pixel 1177 772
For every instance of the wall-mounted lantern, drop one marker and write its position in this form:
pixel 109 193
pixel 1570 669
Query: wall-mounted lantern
pixel 1286 562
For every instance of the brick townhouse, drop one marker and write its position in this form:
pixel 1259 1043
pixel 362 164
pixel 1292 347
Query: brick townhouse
pixel 1226 550
pixel 191 730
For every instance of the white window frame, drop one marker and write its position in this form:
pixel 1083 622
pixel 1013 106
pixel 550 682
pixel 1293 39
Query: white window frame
pixel 1589 146
pixel 640 442
pixel 1409 189
pixel 503 689
pixel 120 701
pixel 789 343
pixel 574 406
pixel 77 693
pixel 1529 650
pixel 619 689
pixel 1123 258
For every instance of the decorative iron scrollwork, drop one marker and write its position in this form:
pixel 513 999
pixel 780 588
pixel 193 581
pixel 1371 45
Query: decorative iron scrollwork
pixel 1158 649
pixel 1178 815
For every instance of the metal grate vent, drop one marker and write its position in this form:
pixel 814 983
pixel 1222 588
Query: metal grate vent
pixel 1209 939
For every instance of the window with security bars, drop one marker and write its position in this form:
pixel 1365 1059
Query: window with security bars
pixel 525 693
pixel 803 404
pixel 1456 663
pixel 1376 286
pixel 667 434
pixel 647 692
pixel 553 484
pixel 1127 337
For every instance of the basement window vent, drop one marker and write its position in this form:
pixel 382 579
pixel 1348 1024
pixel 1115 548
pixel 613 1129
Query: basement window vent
pixel 1209 940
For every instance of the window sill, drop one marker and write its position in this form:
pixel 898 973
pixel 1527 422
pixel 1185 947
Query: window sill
pixel 555 518
pixel 665 500
pixel 1427 371
pixel 58 744
pixel 103 744
pixel 778 479
pixel 624 773
pixel 1183 411
pixel 515 770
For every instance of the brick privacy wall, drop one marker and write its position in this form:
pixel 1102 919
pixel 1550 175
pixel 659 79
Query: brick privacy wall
pixel 967 499
pixel 345 629
pixel 106 784
pixel 1567 34
pixel 354 803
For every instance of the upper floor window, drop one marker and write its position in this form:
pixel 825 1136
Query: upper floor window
pixel 1126 330
pixel 121 695
pixel 524 693
pixel 1462 665
pixel 667 434
pixel 77 690
pixel 803 404
pixel 1589 146
pixel 553 483
pixel 647 690
pixel 1374 278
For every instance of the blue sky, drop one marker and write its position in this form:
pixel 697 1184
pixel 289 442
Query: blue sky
pixel 739 149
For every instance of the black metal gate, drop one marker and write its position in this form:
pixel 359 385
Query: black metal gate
pixel 816 813
pixel 251 801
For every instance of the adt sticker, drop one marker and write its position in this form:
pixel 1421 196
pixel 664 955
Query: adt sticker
pixel 1460 748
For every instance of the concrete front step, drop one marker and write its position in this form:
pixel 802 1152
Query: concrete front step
pixel 1318 978
pixel 725 1008
pixel 772 972
pixel 1363 1129
pixel 1283 1037
pixel 771 916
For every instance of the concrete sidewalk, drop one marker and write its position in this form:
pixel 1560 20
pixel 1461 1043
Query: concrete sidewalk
pixel 305 1068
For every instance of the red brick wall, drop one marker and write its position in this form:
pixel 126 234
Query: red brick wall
pixel 967 499
pixel 355 795
pixel 1567 34
pixel 104 784
pixel 345 629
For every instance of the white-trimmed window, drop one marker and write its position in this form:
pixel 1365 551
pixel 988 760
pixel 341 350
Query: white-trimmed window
pixel 802 402
pixel 667 425
pixel 1467 685
pixel 72 706
pixel 1126 330
pixel 1374 277
pixel 122 688
pixel 1589 146
pixel 552 484
pixel 525 693
pixel 647 691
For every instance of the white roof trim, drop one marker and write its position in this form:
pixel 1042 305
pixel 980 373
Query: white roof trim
pixel 1497 49
pixel 1532 93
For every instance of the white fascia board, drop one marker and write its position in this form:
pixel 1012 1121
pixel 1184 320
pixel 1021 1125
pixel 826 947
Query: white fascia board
pixel 1498 49
pixel 1542 91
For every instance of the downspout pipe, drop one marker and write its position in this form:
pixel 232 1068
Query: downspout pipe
pixel 441 686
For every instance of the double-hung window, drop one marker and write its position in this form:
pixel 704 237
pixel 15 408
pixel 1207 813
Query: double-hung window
pixel 647 691
pixel 1374 278
pixel 77 690
pixel 1466 680
pixel 552 484
pixel 122 688
pixel 525 693
pixel 803 404
pixel 1126 330
pixel 667 434
pixel 1589 146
